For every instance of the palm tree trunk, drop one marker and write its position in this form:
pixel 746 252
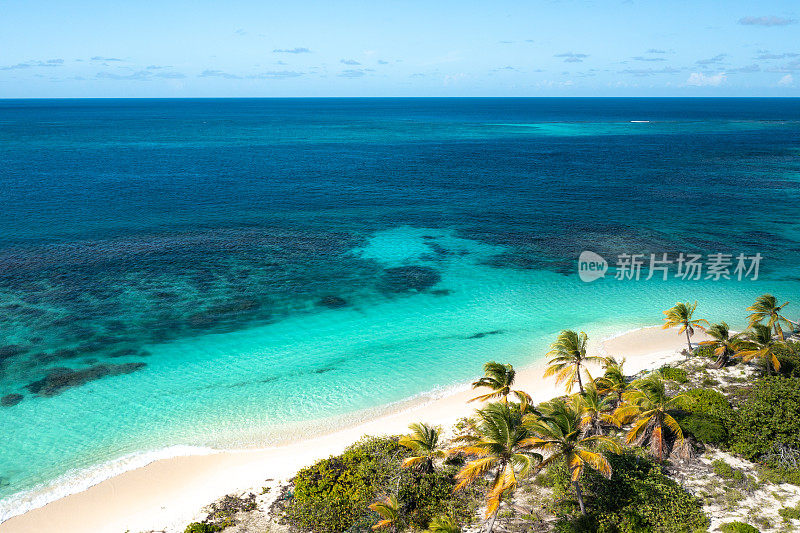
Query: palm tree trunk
pixel 688 341
pixel 578 372
pixel 580 496
pixel 722 360
pixel 776 327
pixel 490 526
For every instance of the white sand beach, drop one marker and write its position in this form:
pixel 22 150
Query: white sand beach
pixel 168 494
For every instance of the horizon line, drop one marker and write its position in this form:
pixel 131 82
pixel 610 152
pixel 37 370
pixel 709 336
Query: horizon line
pixel 2 98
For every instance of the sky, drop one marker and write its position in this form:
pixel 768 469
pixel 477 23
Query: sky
pixel 241 48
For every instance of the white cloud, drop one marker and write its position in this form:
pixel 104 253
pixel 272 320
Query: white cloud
pixel 766 21
pixel 451 79
pixel 698 79
pixel 786 81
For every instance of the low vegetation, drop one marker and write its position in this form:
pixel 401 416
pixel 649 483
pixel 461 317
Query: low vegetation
pixel 337 494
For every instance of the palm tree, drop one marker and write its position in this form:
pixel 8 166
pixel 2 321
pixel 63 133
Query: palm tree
pixel 650 409
pixel 595 409
pixel 499 378
pixel 423 442
pixel 559 434
pixel 389 510
pixel 569 353
pixel 766 306
pixel 725 345
pixel 443 524
pixel 613 382
pixel 761 345
pixel 498 448
pixel 680 315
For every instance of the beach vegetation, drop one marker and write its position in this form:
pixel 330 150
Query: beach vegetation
pixel 790 513
pixel 637 497
pixel 202 527
pixel 500 447
pixel 613 382
pixel 768 417
pixel 788 354
pixel 423 442
pixel 569 358
pixel 443 524
pixel 678 375
pixel 333 494
pixel 336 494
pixel 726 471
pixel 498 378
pixel 559 434
pixel 723 344
pixel 766 308
pixel 707 416
pixel 389 510
pixel 681 315
pixel 759 344
pixel 596 410
pixel 737 527
pixel 651 411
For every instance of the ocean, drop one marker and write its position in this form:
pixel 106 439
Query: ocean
pixel 181 275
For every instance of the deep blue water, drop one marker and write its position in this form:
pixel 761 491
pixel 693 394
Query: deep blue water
pixel 150 245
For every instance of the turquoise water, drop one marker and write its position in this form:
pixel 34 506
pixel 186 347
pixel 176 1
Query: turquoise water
pixel 240 273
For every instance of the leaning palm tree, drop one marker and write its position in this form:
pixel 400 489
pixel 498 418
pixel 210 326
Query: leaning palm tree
pixel 650 409
pixel 443 524
pixel 424 444
pixel 499 378
pixel 725 345
pixel 680 315
pixel 389 511
pixel 595 409
pixel 766 306
pixel 559 435
pixel 498 449
pixel 568 355
pixel 760 344
pixel 613 382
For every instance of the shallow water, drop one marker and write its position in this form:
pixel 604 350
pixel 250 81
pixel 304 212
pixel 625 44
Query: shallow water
pixel 232 273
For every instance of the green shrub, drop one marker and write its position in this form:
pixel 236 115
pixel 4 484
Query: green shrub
pixel 790 513
pixel 737 527
pixel 726 471
pixel 201 527
pixel 708 381
pixel 707 416
pixel 778 475
pixel 770 414
pixel 677 375
pixel 704 428
pixel 789 358
pixel 333 495
pixel 426 496
pixel 705 350
pixel 639 497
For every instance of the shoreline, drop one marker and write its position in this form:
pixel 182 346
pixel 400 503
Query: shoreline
pixel 168 493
